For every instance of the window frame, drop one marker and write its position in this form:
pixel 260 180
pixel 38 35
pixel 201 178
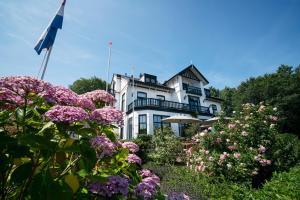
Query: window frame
pixel 123 102
pixel 164 98
pixel 140 92
pixel 144 123
pixel 161 122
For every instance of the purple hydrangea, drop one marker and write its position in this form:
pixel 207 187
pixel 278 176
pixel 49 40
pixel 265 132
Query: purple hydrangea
pixel 100 96
pixel 66 114
pixel 61 95
pixel 114 185
pixel 85 103
pixel 131 146
pixel 146 189
pixel 178 196
pixel 103 146
pixel 10 99
pixel 108 115
pixel 132 158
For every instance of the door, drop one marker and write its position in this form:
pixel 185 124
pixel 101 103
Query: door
pixel 194 102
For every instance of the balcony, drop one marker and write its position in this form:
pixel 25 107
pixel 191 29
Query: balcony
pixel 191 89
pixel 169 106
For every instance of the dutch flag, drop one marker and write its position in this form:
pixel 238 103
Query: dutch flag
pixel 48 36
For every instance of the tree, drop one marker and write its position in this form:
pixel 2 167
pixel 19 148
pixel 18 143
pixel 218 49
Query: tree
pixel 227 95
pixel 84 85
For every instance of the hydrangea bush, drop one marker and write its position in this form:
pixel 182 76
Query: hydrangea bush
pixel 56 144
pixel 240 150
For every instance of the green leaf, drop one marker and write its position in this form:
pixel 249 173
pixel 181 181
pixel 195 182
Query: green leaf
pixel 72 182
pixel 45 127
pixel 21 173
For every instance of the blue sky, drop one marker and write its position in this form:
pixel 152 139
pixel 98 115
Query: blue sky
pixel 228 40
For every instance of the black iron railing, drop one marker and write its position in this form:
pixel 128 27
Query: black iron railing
pixel 191 89
pixel 157 104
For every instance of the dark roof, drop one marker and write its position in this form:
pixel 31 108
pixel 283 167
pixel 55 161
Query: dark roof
pixel 217 99
pixel 186 69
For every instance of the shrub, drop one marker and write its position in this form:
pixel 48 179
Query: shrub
pixel 56 144
pixel 240 150
pixel 145 143
pixel 166 146
pixel 284 185
pixel 286 151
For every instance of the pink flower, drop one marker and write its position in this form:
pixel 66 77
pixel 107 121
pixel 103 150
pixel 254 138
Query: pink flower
pixel 100 96
pixel 231 126
pixel 206 152
pixel 244 133
pixel 67 114
pixel 132 147
pixel 145 173
pixel 273 118
pixel 103 146
pixel 108 115
pixel 231 148
pixel 85 103
pixel 237 155
pixel 60 95
pixel 222 132
pixel 261 149
pixel 132 158
pixel 218 140
pixel 265 162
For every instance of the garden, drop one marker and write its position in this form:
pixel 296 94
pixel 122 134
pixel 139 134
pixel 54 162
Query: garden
pixel 56 144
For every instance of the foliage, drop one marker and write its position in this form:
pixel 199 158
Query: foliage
pixel 280 89
pixel 145 143
pixel 285 185
pixel 192 129
pixel 84 85
pixel 166 146
pixel 52 148
pixel 239 150
pixel 286 151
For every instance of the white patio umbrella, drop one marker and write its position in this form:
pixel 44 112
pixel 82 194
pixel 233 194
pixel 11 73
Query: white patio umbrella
pixel 215 119
pixel 181 119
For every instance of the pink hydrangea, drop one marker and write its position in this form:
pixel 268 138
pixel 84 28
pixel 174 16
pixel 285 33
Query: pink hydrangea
pixel 244 133
pixel 108 115
pixel 132 158
pixel 85 103
pixel 145 173
pixel 232 148
pixel 9 99
pixel 67 114
pixel 265 162
pixel 131 146
pixel 60 95
pixel 23 85
pixel 100 96
pixel 224 155
pixel 103 146
pixel 178 196
pixel 115 185
pixel 218 140
pixel 273 118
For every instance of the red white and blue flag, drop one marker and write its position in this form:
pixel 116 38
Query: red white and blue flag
pixel 48 36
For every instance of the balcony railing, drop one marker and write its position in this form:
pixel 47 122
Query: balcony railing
pixel 171 106
pixel 191 89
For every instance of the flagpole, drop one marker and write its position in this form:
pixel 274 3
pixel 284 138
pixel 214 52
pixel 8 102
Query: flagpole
pixel 46 63
pixel 133 104
pixel 108 64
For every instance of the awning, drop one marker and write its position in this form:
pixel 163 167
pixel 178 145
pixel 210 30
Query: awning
pixel 215 119
pixel 181 119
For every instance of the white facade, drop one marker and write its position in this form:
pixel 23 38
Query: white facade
pixel 183 94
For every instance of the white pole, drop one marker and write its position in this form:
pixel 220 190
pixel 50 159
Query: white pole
pixel 108 64
pixel 46 63
pixel 133 95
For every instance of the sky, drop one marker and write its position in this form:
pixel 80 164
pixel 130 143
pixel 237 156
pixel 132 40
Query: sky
pixel 227 40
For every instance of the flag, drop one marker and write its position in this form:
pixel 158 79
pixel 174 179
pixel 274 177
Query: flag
pixel 48 36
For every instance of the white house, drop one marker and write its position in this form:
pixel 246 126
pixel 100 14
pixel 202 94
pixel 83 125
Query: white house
pixel 145 101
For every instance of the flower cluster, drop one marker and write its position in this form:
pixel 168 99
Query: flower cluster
pixel 107 115
pixel 85 103
pixel 148 187
pixel 103 146
pixel 60 95
pixel 131 146
pixel 132 158
pixel 100 96
pixel 178 196
pixel 66 114
pixel 114 185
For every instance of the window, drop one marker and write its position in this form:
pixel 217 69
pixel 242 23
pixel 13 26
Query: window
pixel 158 123
pixel 123 102
pixel 141 95
pixel 160 97
pixel 153 81
pixel 129 129
pixel 147 80
pixel 143 124
pixel 214 108
pixel 121 133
